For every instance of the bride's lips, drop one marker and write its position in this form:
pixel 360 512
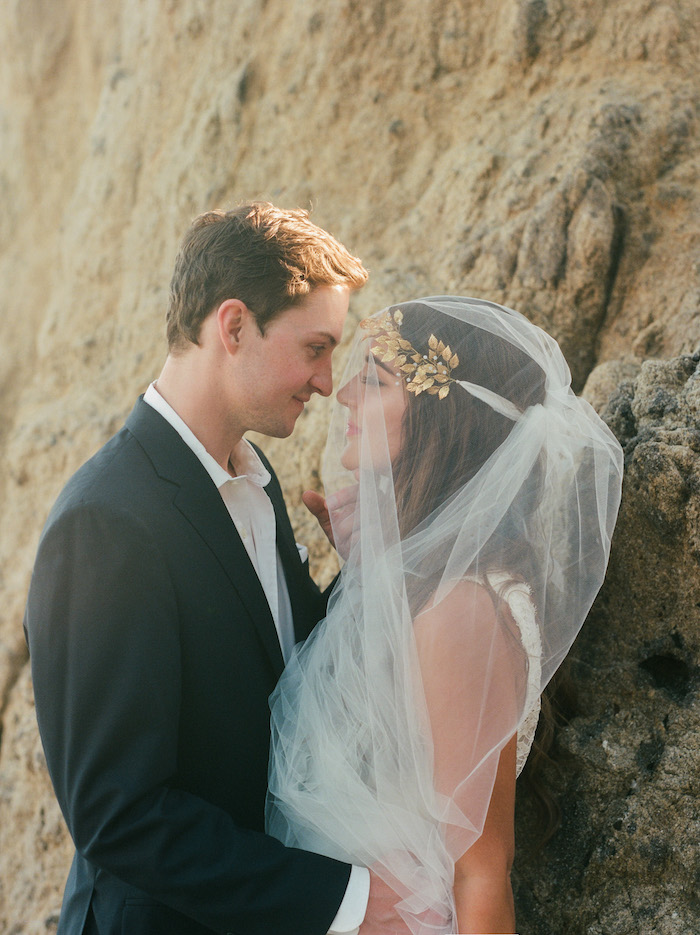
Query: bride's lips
pixel 352 429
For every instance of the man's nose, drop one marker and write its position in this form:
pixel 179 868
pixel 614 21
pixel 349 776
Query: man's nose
pixel 322 380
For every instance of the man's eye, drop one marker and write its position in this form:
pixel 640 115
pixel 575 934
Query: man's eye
pixel 318 349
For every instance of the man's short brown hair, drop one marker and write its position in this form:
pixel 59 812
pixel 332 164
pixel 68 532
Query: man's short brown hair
pixel 267 257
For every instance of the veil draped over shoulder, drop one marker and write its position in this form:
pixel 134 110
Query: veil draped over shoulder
pixel 473 497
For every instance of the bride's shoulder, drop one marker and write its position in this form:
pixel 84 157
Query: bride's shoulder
pixel 463 599
pixel 480 600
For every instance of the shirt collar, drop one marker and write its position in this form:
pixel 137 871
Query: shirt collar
pixel 245 456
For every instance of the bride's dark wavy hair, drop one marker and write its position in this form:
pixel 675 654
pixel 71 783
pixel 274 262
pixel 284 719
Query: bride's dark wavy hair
pixel 445 442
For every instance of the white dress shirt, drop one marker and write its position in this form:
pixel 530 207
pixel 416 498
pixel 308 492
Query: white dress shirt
pixel 253 515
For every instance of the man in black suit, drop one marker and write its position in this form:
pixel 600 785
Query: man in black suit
pixel 168 591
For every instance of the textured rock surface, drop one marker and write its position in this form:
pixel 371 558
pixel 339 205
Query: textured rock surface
pixel 543 153
pixel 626 858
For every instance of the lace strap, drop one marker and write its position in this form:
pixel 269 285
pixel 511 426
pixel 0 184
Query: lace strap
pixel 518 596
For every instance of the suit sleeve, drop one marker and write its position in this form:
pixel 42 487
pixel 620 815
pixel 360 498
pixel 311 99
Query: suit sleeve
pixel 101 623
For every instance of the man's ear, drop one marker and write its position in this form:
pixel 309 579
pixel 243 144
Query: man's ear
pixel 233 318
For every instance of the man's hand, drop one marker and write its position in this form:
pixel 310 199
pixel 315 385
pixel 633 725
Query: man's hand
pixel 316 504
pixel 342 504
pixel 381 917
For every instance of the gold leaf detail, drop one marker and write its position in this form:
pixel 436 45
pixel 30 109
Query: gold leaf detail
pixel 422 373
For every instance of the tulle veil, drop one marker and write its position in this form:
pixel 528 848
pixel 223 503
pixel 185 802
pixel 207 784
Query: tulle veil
pixel 471 562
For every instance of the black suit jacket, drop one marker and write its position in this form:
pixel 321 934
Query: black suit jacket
pixel 153 656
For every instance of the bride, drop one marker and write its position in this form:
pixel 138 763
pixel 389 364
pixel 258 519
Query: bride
pixel 473 497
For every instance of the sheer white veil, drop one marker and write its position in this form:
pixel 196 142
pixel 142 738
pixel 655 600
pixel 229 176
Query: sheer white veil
pixel 472 557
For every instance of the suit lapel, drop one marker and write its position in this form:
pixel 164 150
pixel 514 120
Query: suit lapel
pixel 196 497
pixel 298 583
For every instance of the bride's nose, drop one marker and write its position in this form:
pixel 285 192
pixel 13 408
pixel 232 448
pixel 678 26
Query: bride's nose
pixel 347 392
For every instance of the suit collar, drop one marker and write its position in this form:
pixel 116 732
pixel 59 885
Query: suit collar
pixel 197 498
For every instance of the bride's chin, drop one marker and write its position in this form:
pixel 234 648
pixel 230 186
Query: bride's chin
pixel 348 459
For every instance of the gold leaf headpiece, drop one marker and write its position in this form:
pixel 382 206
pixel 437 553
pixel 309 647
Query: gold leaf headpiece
pixel 423 373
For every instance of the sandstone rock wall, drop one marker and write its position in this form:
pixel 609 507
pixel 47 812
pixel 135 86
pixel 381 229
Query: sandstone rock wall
pixel 543 153
pixel 627 857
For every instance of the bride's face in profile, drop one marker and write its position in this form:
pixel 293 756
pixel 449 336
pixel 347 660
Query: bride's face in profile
pixel 376 401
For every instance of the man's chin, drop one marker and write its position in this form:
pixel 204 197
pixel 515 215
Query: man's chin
pixel 280 431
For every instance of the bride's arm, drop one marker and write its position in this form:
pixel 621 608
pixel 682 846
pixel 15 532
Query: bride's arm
pixel 471 675
pixel 482 888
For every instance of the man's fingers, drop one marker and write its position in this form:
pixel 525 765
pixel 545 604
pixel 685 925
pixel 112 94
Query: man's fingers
pixel 315 503
pixel 343 498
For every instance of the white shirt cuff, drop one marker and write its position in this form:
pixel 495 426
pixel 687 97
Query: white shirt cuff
pixel 352 910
